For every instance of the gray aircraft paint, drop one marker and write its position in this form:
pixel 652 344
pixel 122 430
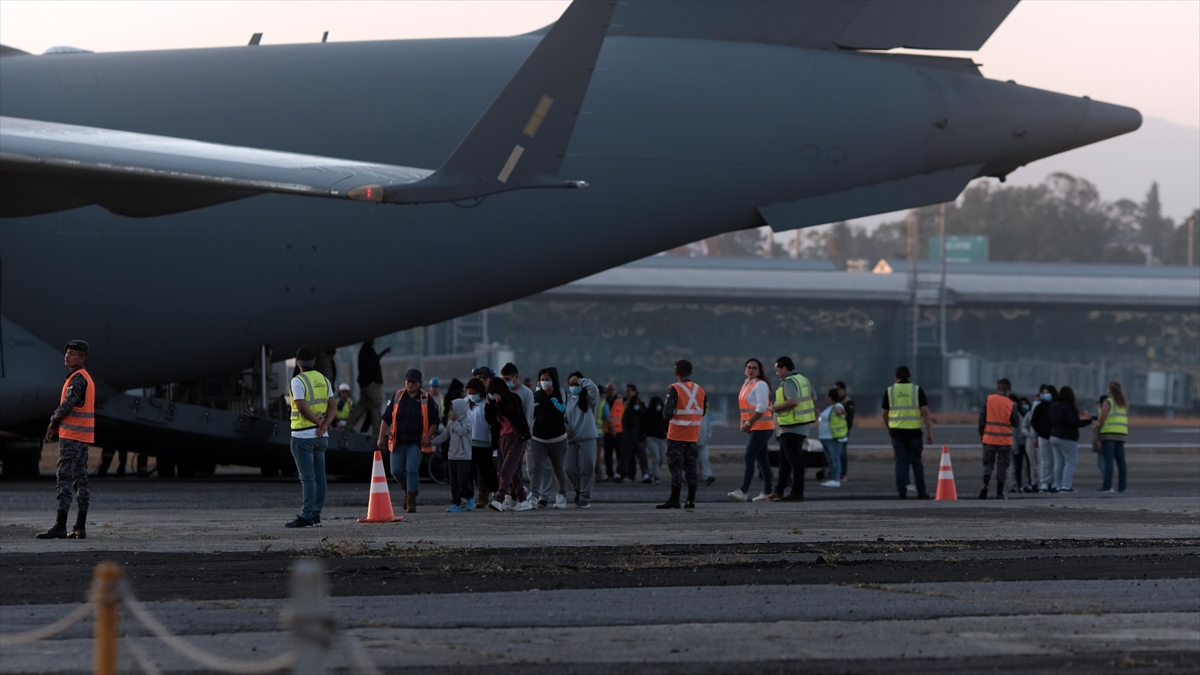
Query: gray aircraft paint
pixel 680 139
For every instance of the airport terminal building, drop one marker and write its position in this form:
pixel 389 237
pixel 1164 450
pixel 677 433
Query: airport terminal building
pixel 1073 324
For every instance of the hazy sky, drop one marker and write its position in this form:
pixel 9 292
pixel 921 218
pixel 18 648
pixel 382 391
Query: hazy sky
pixel 1140 53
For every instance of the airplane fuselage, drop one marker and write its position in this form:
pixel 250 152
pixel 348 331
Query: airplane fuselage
pixel 680 140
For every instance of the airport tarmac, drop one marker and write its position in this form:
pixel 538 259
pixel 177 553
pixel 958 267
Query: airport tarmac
pixel 851 580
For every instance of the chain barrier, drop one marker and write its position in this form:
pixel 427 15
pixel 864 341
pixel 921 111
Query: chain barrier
pixel 310 630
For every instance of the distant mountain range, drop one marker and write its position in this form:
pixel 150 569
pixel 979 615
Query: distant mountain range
pixel 1126 165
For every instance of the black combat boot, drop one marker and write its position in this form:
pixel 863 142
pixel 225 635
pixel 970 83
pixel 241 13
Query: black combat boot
pixel 1000 490
pixel 59 531
pixel 673 501
pixel 984 491
pixel 80 529
pixel 691 498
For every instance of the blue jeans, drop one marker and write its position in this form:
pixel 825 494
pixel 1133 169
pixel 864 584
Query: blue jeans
pixel 835 451
pixel 1110 452
pixel 908 453
pixel 309 454
pixel 756 453
pixel 406 463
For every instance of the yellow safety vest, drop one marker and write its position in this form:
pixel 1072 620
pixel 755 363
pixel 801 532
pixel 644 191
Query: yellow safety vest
pixel 837 424
pixel 804 413
pixel 344 406
pixel 904 411
pixel 316 395
pixel 1117 421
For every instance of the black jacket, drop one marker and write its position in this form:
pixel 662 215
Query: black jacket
pixel 1065 422
pixel 509 408
pixel 631 421
pixel 549 410
pixel 1041 419
pixel 654 424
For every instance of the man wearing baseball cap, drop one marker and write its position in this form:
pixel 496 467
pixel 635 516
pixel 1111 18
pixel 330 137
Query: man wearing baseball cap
pixel 409 422
pixel 73 425
pixel 313 402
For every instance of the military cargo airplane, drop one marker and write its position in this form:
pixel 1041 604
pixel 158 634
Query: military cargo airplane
pixel 180 208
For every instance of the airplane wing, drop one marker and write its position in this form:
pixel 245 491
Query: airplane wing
pixel 819 24
pixel 518 143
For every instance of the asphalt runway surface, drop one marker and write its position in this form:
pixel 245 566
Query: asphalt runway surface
pixel 851 580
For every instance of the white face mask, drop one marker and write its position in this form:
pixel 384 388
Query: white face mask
pixel 475 398
pixel 545 385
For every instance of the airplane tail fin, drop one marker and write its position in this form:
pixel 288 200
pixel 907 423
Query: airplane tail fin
pixel 521 139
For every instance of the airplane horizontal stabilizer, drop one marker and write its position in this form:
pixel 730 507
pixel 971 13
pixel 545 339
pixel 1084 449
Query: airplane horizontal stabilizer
pixel 819 24
pixel 519 143
pixel 894 195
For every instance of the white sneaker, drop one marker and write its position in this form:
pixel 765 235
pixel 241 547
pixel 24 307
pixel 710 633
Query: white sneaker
pixel 831 483
pixel 737 495
pixel 525 506
pixel 498 506
pixel 762 497
pixel 560 502
pixel 509 503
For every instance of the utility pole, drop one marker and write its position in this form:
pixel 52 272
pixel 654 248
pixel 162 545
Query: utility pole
pixel 942 305
pixel 913 277
pixel 1191 241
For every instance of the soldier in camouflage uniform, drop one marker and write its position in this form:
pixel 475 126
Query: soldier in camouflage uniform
pixel 73 426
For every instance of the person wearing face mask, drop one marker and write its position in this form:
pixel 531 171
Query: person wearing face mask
pixel 1040 423
pixel 1020 464
pixel 613 411
pixel 656 437
pixel 1032 465
pixel 486 481
pixel 548 446
pixel 512 379
pixel 510 432
pixel 633 453
pixel 582 397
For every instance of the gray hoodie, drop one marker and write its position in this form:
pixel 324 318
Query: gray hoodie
pixel 582 423
pixel 458 431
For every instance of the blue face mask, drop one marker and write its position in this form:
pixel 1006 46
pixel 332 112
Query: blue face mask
pixel 511 385
pixel 575 389
pixel 1024 408
pixel 1046 396
pixel 475 398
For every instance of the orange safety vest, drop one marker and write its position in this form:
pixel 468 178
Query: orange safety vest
pixel 424 419
pixel 767 421
pixel 618 411
pixel 80 423
pixel 997 430
pixel 689 410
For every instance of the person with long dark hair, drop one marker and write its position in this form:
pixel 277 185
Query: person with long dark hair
pixel 583 397
pixel 1039 422
pixel 758 422
pixel 1065 421
pixel 1113 426
pixel 548 447
pixel 486 480
pixel 506 418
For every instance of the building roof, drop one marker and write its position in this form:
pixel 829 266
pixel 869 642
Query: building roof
pixel 741 279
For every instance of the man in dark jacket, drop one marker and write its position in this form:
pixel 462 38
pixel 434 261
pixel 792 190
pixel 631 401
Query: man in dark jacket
pixel 409 422
pixel 633 454
pixel 370 387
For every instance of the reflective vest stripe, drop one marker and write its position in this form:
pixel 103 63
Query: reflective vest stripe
pixel 424 419
pixel 80 422
pixel 618 411
pixel 996 427
pixel 689 412
pixel 1117 421
pixel 767 421
pixel 316 396
pixel 908 415
pixel 805 412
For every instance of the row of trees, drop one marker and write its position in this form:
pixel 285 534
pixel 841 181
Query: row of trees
pixel 1061 220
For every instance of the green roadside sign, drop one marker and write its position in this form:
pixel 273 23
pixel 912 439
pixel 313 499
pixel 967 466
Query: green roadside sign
pixel 960 248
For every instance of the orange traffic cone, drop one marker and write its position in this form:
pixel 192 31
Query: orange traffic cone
pixel 945 489
pixel 379 508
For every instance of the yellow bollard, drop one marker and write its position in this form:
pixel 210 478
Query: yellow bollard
pixel 104 594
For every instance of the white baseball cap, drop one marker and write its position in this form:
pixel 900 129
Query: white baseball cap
pixel 343 387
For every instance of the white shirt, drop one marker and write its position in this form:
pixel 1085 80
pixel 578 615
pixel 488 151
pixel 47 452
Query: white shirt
pixel 759 395
pixel 298 394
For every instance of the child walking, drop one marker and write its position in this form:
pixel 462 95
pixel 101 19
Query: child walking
pixel 458 432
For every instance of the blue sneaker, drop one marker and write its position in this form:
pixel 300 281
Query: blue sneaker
pixel 471 504
pixel 454 508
